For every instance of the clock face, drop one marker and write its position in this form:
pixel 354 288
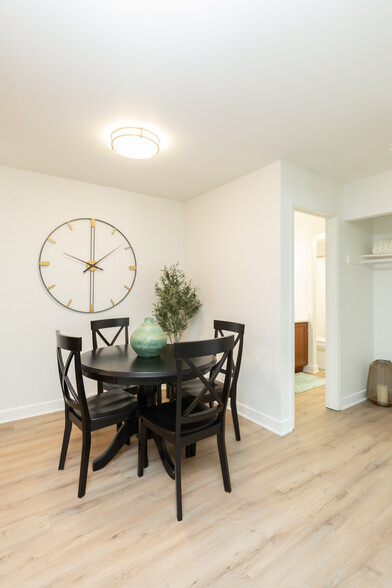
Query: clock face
pixel 87 265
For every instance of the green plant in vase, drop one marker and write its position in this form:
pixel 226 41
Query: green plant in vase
pixel 177 303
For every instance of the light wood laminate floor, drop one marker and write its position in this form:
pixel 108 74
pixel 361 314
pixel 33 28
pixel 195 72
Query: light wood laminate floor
pixel 312 509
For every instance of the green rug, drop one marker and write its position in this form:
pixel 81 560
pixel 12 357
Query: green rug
pixel 305 382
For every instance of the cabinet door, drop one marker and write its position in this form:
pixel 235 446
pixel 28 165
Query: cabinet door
pixel 301 346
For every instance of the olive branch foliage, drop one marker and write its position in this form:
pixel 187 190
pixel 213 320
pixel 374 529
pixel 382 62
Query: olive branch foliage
pixel 177 301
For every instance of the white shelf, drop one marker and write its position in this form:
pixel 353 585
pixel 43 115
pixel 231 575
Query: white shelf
pixel 370 259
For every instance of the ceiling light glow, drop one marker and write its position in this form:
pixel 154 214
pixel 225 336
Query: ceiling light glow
pixel 135 142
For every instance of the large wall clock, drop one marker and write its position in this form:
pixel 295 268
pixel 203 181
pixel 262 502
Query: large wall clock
pixel 87 265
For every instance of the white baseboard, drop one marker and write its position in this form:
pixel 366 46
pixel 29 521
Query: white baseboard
pixel 353 399
pixel 279 427
pixel 312 368
pixel 24 412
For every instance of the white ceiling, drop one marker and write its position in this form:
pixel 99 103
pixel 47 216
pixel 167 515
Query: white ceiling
pixel 229 86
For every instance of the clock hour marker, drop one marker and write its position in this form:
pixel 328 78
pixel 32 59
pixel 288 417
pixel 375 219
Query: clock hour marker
pixel 93 222
pixel 70 226
pixel 114 230
pixel 128 247
pixel 44 262
pixel 132 267
pixel 69 303
pixel 127 287
pixel 91 307
pixel 52 286
pixel 52 241
pixel 111 300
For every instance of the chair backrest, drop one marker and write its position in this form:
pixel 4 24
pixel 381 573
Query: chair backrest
pixel 220 327
pixel 74 397
pixel 97 326
pixel 193 414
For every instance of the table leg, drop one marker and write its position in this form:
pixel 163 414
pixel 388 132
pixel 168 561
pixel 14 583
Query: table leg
pixel 164 455
pixel 120 438
pixel 146 395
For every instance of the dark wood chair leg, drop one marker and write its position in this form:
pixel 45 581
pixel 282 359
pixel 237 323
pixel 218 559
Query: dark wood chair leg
pixel 190 450
pixel 223 461
pixel 64 447
pixel 86 434
pixel 234 414
pixel 178 481
pixel 159 395
pixel 142 461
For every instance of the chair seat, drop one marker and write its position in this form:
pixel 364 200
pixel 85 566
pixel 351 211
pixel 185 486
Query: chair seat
pixel 109 404
pixel 194 387
pixel 164 416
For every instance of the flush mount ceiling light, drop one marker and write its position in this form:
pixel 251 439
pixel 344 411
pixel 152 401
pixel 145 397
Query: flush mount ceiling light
pixel 135 142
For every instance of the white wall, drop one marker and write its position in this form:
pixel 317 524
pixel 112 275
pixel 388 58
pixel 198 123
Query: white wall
pixel 367 197
pixel 370 198
pixel 356 312
pixel 238 248
pixel 382 289
pixel 31 206
pixel 320 339
pixel 307 191
pixel 233 253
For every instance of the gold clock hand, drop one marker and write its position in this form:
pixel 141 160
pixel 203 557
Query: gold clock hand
pixel 104 257
pixel 92 267
pixel 85 262
pixel 92 291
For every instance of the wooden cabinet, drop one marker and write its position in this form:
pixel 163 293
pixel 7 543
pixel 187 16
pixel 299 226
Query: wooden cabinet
pixel 301 346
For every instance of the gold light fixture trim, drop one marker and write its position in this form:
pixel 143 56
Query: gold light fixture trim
pixel 135 142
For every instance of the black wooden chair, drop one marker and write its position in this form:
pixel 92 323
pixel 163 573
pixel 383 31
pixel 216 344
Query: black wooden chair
pixel 188 420
pixel 90 414
pixel 192 388
pixel 122 325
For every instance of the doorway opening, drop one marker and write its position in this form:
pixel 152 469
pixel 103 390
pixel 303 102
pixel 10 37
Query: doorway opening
pixel 310 308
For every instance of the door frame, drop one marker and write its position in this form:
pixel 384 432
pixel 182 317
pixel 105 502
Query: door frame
pixel 332 356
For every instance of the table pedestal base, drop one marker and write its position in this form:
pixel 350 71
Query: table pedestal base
pixel 120 439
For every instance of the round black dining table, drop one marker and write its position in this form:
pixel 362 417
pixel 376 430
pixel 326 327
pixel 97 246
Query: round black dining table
pixel 120 365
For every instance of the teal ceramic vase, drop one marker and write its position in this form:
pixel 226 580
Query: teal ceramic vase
pixel 148 340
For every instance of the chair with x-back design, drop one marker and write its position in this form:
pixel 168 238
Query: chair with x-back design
pixel 115 407
pixel 116 327
pixel 121 326
pixel 222 328
pixel 187 420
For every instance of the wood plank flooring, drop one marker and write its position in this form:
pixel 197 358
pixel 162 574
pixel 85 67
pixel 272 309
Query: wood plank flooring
pixel 312 509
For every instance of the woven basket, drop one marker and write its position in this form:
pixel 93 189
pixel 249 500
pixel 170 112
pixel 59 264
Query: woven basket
pixel 379 384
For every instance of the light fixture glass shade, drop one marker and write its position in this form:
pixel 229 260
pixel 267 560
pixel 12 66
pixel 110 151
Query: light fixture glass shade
pixel 135 142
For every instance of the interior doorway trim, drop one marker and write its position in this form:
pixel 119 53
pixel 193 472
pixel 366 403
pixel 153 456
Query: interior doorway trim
pixel 333 392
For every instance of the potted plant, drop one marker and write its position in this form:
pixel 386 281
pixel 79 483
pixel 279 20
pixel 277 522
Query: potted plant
pixel 178 302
